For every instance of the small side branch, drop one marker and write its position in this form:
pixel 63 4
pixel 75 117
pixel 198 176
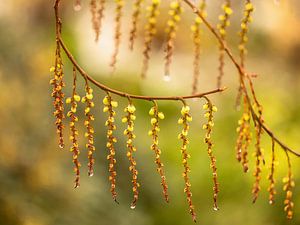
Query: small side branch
pixel 242 74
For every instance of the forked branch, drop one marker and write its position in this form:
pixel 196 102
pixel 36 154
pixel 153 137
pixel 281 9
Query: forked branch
pixel 252 108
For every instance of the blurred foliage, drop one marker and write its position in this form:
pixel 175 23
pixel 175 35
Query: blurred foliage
pixel 36 177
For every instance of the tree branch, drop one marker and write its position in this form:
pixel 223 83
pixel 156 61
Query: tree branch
pixel 124 94
pixel 240 69
pixel 242 74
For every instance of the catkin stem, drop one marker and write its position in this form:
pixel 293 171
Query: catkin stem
pixel 222 26
pixel 184 119
pixel 271 188
pixel 129 118
pixel 111 140
pixel 150 31
pixel 155 148
pixel 117 37
pixel 135 19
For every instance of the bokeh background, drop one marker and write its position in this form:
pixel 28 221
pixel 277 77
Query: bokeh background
pixel 36 178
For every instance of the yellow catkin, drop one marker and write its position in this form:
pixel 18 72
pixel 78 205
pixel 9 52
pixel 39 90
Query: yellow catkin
pixel 73 131
pixel 224 22
pixel 109 104
pixel 184 121
pixel 247 19
pixel 150 31
pixel 244 137
pixel 196 30
pixel 57 93
pixel 117 36
pixel 288 186
pixel 245 146
pixel 271 188
pixel 89 134
pixel 258 156
pixel 129 119
pixel 135 19
pixel 155 117
pixel 95 21
pixel 210 109
pixel 244 30
pixel 171 30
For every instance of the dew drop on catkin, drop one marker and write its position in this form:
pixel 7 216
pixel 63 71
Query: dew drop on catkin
pixel 167 78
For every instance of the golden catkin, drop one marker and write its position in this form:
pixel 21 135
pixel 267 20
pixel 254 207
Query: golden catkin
pixel 95 21
pixel 289 184
pixel 129 119
pixel 150 31
pixel 58 95
pixel 244 30
pixel 172 26
pixel 135 19
pixel 222 26
pixel 184 121
pixel 271 188
pixel 245 134
pixel 109 104
pixel 210 109
pixel 117 36
pixel 247 19
pixel 196 28
pixel 73 131
pixel 155 117
pixel 89 134
pixel 244 137
pixel 258 156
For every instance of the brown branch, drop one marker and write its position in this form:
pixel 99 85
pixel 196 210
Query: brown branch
pixel 242 74
pixel 270 133
pixel 107 89
pixel 124 94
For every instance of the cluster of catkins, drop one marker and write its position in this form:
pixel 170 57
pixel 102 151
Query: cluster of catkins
pixel 109 106
pixel 252 112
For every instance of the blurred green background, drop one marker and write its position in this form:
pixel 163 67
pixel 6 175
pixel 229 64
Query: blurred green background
pixel 36 178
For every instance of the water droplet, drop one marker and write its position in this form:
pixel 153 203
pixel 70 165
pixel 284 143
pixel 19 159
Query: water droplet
pixel 216 208
pixel 91 173
pixel 61 145
pixel 238 107
pixel 271 202
pixel 77 6
pixel 194 218
pixel 167 77
pixel 132 206
pixel 76 185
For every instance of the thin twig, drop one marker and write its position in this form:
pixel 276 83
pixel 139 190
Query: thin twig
pixel 242 74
